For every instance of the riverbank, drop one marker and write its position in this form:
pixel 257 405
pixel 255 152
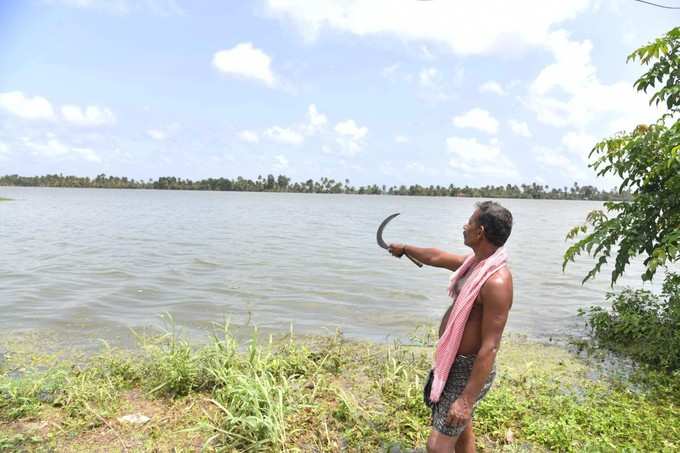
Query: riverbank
pixel 312 394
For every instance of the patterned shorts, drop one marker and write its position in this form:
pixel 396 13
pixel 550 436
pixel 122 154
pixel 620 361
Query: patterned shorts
pixel 455 384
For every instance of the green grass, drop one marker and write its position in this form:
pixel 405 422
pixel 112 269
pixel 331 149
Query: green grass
pixel 314 394
pixel 5 199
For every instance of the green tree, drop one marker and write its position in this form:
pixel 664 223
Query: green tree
pixel 648 162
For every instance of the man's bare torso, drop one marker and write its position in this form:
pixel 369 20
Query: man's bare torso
pixel 472 335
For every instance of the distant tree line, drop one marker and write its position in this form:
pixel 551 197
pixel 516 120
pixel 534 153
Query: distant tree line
pixel 282 183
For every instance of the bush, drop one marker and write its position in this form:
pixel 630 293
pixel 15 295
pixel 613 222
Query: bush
pixel 642 325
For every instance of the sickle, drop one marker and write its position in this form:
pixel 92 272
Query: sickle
pixel 381 242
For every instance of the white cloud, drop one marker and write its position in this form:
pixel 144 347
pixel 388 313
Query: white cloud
pixel 4 151
pixel 316 120
pixel 579 144
pixel 244 60
pixel 555 159
pixel 351 129
pixel 401 139
pixel 284 135
pixel 88 116
pixel 350 136
pixel 280 162
pixel 53 148
pixel 35 108
pixel 477 119
pixel 429 78
pixel 434 85
pixel 157 134
pixel 492 87
pixel 465 27
pixel 568 92
pixel 520 128
pixel 426 53
pixel 473 158
pixel 248 136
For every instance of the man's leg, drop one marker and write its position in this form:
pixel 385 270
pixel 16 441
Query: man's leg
pixel 466 440
pixel 441 443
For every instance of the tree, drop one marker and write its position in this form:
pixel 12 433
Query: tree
pixel 648 161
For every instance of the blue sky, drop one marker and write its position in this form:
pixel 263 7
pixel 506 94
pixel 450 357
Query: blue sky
pixel 375 91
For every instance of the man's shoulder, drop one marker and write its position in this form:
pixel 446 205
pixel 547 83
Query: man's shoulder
pixel 502 277
pixel 498 284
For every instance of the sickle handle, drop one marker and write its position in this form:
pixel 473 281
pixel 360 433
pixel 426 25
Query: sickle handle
pixel 415 261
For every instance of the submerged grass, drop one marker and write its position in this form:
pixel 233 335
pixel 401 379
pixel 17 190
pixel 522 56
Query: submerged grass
pixel 315 394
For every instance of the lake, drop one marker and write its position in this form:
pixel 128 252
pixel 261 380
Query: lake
pixel 93 263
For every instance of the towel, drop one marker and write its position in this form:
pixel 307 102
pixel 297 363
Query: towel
pixel 447 346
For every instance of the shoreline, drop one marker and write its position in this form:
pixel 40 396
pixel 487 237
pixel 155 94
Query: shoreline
pixel 311 394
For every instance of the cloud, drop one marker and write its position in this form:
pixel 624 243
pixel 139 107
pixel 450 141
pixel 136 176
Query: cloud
pixel 88 116
pixel 466 28
pixel 280 162
pixel 579 144
pixel 555 159
pixel 568 92
pixel 350 136
pixel 4 151
pixel 284 135
pixel 473 158
pixel 520 128
pixel 244 60
pixel 316 120
pixel 389 72
pixel 492 87
pixel 248 136
pixel 157 134
pixel 350 129
pixel 477 119
pixel 401 139
pixel 53 148
pixel 35 108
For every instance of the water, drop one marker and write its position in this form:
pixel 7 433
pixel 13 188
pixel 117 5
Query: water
pixel 93 263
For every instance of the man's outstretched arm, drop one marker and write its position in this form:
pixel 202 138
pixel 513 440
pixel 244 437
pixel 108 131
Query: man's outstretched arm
pixel 496 299
pixel 430 256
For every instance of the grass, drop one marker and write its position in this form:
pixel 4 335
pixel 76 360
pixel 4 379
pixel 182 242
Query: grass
pixel 5 199
pixel 314 394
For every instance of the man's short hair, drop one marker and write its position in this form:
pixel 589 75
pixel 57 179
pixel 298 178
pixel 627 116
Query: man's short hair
pixel 496 220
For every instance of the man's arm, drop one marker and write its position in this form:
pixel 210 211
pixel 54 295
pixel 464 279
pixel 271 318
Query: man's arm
pixel 429 256
pixel 496 299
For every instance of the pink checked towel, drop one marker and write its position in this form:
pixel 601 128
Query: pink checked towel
pixel 447 346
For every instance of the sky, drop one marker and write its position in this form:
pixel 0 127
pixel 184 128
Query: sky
pixel 375 91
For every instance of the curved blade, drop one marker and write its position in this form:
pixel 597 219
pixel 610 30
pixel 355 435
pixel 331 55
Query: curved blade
pixel 378 235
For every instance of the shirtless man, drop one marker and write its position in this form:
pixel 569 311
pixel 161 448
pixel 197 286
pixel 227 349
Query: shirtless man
pixel 473 370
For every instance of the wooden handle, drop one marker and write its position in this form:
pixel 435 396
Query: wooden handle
pixel 415 261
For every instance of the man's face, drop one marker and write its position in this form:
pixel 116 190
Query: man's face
pixel 473 232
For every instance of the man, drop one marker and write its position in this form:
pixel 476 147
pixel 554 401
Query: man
pixel 472 370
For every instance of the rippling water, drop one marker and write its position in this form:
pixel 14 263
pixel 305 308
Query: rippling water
pixel 95 262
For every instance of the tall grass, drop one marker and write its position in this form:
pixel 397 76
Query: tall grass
pixel 317 394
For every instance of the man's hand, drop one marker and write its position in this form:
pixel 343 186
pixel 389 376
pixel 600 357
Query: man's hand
pixel 460 412
pixel 397 250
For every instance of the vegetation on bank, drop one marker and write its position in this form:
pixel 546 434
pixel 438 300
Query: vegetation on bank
pixel 640 324
pixel 282 183
pixel 314 394
pixel 5 199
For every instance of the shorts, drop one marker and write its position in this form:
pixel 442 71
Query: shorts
pixel 455 384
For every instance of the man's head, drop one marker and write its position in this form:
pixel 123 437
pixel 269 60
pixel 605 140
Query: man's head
pixel 490 222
